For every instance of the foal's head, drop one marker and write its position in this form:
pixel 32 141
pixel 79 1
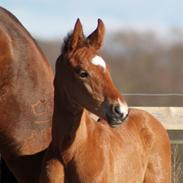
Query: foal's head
pixel 85 77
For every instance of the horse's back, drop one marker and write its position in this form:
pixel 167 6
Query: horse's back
pixel 26 91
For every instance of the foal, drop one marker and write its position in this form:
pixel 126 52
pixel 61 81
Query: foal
pixel 125 146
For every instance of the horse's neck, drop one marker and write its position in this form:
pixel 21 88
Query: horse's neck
pixel 69 122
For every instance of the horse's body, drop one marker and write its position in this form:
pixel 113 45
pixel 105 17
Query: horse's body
pixel 25 99
pixel 84 150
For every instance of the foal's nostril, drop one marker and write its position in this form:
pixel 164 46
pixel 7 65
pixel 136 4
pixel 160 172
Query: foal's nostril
pixel 117 111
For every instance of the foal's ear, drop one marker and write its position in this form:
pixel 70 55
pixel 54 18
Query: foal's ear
pixel 96 38
pixel 77 36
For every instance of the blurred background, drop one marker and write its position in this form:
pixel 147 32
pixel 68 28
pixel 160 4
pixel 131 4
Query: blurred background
pixel 143 46
pixel 143 43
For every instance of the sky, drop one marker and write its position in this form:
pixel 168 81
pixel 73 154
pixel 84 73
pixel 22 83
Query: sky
pixel 53 18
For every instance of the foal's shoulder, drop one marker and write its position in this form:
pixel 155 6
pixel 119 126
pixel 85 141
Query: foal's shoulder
pixel 143 118
pixel 146 125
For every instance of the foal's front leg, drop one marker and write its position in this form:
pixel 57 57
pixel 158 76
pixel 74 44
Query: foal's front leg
pixel 52 169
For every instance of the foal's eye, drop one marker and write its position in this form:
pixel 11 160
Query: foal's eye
pixel 82 73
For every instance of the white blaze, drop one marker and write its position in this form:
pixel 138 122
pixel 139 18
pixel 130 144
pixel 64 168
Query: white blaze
pixel 98 61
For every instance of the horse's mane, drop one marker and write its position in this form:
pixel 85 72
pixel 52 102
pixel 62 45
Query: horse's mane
pixel 65 43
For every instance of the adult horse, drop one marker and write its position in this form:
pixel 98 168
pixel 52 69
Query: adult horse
pixel 125 146
pixel 25 100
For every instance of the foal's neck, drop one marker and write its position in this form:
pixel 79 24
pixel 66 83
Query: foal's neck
pixel 69 121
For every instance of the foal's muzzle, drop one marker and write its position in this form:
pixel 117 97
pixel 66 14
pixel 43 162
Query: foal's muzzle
pixel 116 114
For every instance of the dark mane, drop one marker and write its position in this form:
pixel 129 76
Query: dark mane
pixel 65 44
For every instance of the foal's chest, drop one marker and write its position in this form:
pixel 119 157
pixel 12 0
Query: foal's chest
pixel 106 165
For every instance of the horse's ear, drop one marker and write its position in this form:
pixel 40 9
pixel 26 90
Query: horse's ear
pixel 77 36
pixel 96 38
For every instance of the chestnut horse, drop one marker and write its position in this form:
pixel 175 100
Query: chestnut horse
pixel 124 146
pixel 26 100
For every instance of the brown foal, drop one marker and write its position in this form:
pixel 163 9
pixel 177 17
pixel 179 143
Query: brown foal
pixel 124 146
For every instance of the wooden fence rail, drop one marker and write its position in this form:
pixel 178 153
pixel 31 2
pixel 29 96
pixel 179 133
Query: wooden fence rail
pixel 170 117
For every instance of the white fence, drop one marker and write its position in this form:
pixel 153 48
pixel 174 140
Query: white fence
pixel 170 117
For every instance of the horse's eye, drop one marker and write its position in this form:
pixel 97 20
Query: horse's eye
pixel 83 74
